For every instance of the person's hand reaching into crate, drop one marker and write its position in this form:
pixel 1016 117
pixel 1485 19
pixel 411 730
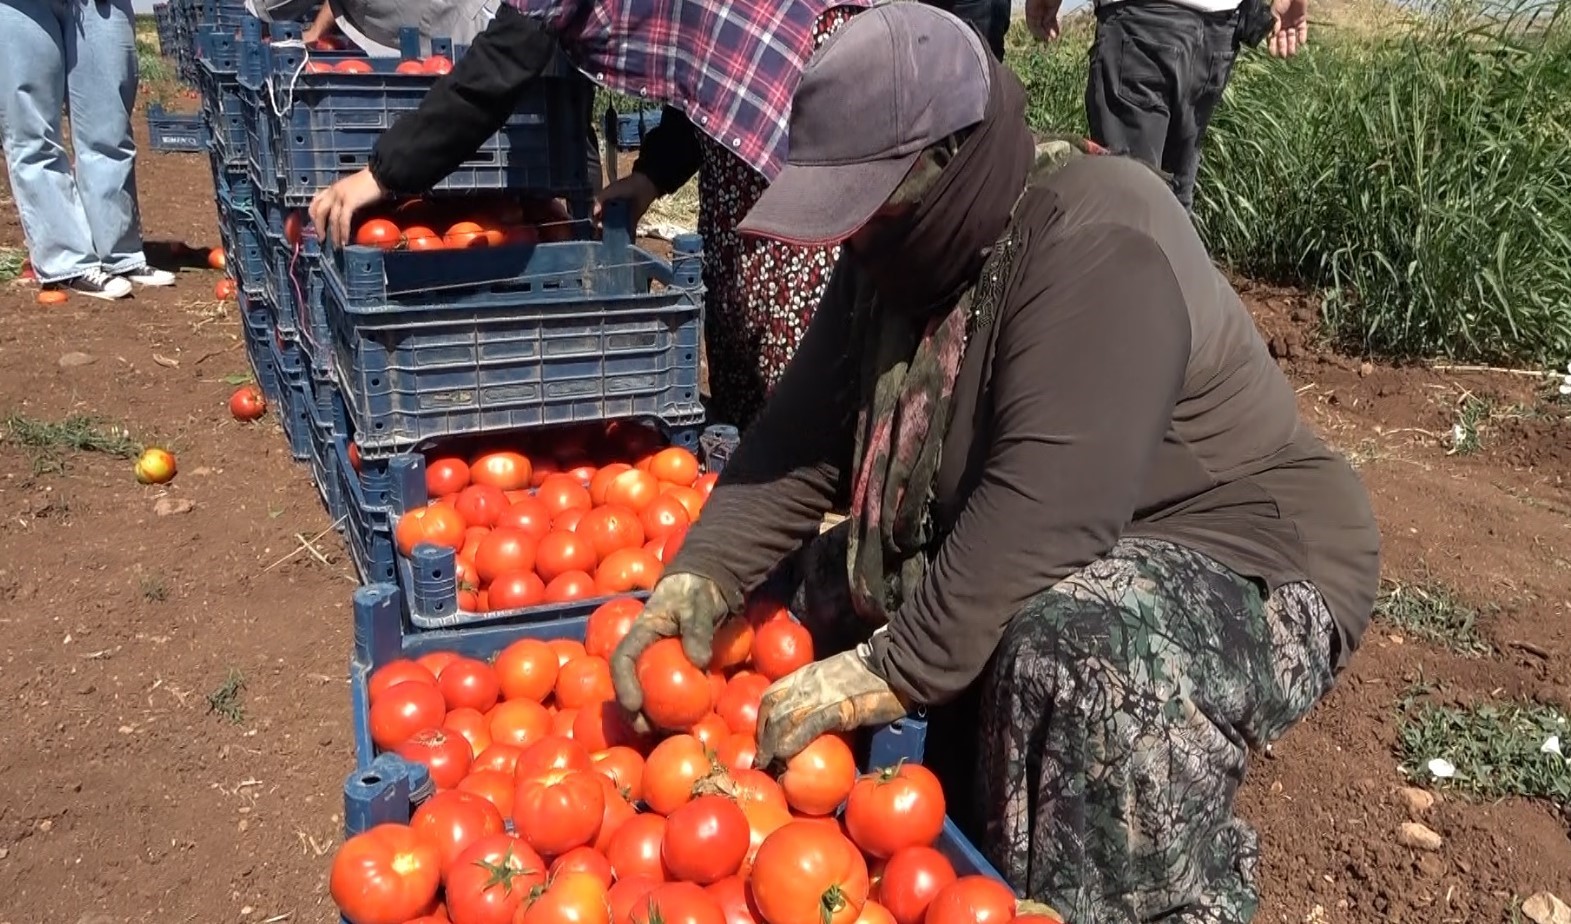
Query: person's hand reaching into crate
pixel 333 209
pixel 841 693
pixel 684 606
pixel 636 189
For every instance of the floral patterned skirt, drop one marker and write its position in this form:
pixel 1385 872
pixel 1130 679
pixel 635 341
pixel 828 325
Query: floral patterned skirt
pixel 759 294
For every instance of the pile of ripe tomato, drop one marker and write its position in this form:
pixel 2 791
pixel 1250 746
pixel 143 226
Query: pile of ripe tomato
pixel 611 827
pixel 590 512
pixel 462 222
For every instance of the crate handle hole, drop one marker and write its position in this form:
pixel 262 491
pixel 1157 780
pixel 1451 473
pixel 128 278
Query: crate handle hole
pixel 371 779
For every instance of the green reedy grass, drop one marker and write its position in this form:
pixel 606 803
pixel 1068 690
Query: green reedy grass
pixel 1418 175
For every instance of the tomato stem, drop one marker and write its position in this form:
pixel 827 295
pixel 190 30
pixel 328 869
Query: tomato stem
pixel 830 903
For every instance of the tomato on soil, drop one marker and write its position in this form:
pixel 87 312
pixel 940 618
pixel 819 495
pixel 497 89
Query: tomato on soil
pixel 526 669
pixel 780 646
pixel 676 694
pixel 467 682
pixel 705 840
pixel 216 258
pixel 902 806
pixel 972 900
pixel 224 289
pixel 489 881
pixel 385 875
pixel 809 874
pixel 403 709
pixel 247 403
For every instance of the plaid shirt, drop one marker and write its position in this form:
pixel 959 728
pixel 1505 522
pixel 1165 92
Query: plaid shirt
pixel 731 66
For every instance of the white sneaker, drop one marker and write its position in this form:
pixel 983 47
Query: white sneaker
pixel 147 276
pixel 96 283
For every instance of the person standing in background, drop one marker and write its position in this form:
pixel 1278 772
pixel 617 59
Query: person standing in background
pixel 83 227
pixel 1158 69
pixel 990 18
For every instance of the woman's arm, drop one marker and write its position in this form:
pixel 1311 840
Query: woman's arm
pixel 790 465
pixel 465 107
pixel 669 154
pixel 324 20
pixel 1087 371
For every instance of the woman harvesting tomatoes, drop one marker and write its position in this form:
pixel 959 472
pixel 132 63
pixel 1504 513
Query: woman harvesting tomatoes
pixel 729 66
pixel 1078 486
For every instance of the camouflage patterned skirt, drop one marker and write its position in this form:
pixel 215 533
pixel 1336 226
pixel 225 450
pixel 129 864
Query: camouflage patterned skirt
pixel 1110 731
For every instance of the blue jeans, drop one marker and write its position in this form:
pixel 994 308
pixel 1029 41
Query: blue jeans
pixel 81 52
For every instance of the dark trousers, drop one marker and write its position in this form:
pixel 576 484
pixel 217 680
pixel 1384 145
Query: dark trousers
pixel 990 18
pixel 1157 73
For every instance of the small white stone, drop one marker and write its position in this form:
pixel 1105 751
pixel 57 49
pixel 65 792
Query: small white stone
pixel 1442 768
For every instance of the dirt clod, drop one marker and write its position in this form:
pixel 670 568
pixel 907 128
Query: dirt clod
pixel 74 359
pixel 1545 908
pixel 1417 836
pixel 1416 801
pixel 170 506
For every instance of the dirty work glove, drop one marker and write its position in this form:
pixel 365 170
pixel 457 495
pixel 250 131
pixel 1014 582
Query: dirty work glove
pixel 684 605
pixel 839 693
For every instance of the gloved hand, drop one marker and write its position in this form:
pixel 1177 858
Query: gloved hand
pixel 685 605
pixel 839 693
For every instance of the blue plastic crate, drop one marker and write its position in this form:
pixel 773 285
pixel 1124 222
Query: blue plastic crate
pixel 175 131
pixel 295 282
pixel 428 346
pixel 366 533
pixel 631 127
pixel 383 788
pixel 295 384
pixel 325 125
pixel 323 458
pixel 258 336
pixel 243 250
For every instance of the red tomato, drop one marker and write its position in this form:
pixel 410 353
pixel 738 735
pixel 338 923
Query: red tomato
pixel 738 704
pixel 509 471
pixel 528 515
pixel 438 64
pixel 602 480
pixel 910 880
pixel 465 234
pixel 397 671
pixel 562 722
pixel 809 874
pixel 446 476
pixel 481 504
pixel 385 875
pixel 489 881
pixel 761 610
pixel 627 893
pixel 690 499
pixel 670 772
pixel 711 730
pixel 633 489
pixel 504 551
pixel 663 516
pixel 567 650
pixel 732 645
pixel 705 840
pixel 434 525
pixel 780 646
pixel 569 586
pixel 560 493
pixel 972 900
pixel 567 520
pixel 466 682
pixel 526 669
pixel 558 811
pixel 500 756
pixel 677 903
pixel 735 902
pixel 419 237
pixel 634 850
pixel 561 552
pixel 675 465
pixel 624 767
pixel 618 811
pixel 519 722
pixel 706 483
pixel 436 661
pixel 471 723
pixel 737 751
pixel 610 528
pixel 403 709
pixel 762 821
pixel 573 897
pixel 494 786
pixel 602 725
pixel 409 67
pixel 451 821
pixel 445 753
pixel 820 777
pixel 247 403
pixel 902 806
pixel 516 590
pixel 353 66
pixel 874 913
pixel 626 570
pixel 676 694
pixel 550 754
pixel 584 681
pixel 609 623
pixel 379 232
pixel 584 860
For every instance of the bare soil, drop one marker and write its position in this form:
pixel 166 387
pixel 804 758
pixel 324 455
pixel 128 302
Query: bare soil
pixel 130 799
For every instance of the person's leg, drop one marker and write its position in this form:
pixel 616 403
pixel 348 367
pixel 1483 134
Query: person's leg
pixel 1137 87
pixel 1116 719
pixel 32 94
pixel 1206 76
pixel 101 80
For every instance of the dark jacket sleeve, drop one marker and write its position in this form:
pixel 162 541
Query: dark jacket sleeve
pixel 1089 364
pixel 465 107
pixel 791 464
pixel 669 154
